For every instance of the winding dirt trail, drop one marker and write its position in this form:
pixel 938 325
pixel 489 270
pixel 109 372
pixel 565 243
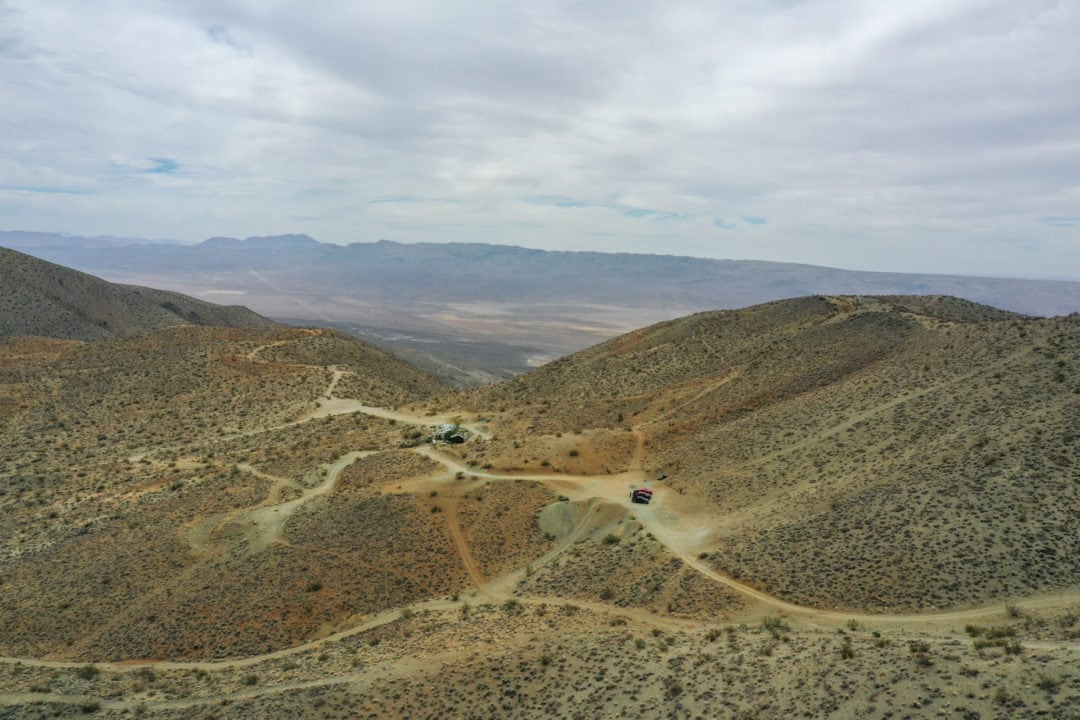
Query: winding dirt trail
pixel 335 378
pixel 682 526
pixel 671 520
pixel 368 623
pixel 263 524
pixel 254 354
pixel 393 668
pixel 453 526
pixel 684 529
pixel 834 430
pixel 345 406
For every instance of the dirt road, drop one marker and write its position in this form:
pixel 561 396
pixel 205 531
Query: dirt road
pixel 684 528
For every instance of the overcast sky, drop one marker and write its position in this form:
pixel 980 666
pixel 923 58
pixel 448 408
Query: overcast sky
pixel 923 135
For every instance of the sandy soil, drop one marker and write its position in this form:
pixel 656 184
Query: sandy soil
pixel 507 622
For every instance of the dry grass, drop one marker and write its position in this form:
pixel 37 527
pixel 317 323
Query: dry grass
pixel 40 298
pixel 124 500
pixel 616 562
pixel 876 453
pixel 563 662
pixel 167 496
pixel 499 521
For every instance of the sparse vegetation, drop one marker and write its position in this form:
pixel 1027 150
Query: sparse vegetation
pixel 88 672
pixel 173 479
pixel 776 627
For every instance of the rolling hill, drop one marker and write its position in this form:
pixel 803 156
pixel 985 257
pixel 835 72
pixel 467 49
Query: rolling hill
pixel 873 453
pixel 141 486
pixel 40 298
pixel 477 313
pixel 864 507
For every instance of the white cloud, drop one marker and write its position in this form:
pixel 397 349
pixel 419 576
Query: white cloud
pixel 925 135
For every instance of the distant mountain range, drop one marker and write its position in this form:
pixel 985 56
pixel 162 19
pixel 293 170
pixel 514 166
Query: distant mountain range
pixel 25 240
pixel 476 312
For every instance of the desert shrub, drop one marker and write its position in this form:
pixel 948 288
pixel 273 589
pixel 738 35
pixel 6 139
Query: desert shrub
pixel 775 626
pixel 88 672
pixel 920 651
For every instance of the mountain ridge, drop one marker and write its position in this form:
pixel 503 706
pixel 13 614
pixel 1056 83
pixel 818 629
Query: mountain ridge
pixel 433 263
pixel 860 505
pixel 475 313
pixel 41 298
pixel 816 429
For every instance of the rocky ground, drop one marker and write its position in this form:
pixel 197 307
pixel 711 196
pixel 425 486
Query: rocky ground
pixel 863 508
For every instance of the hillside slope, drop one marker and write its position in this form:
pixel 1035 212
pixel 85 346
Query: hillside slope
pixel 236 522
pixel 173 494
pixel 476 313
pixel 298 266
pixel 40 298
pixel 878 453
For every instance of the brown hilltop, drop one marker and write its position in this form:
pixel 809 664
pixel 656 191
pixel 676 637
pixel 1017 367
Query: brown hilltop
pixel 879 453
pixel 140 480
pixel 252 523
pixel 40 298
pixel 783 346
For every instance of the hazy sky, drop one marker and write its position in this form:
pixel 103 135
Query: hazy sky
pixel 923 135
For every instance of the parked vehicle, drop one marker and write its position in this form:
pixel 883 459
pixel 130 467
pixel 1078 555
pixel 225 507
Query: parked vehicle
pixel 449 433
pixel 641 496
